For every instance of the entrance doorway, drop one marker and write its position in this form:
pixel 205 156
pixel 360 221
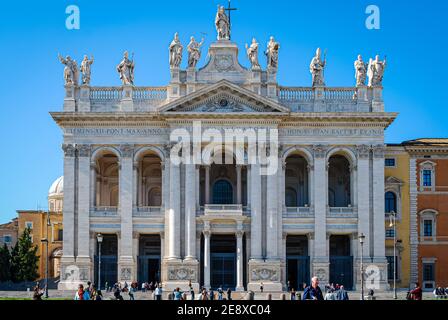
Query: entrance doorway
pixel 297 262
pixel 341 262
pixel 109 261
pixel 223 261
pixel 149 259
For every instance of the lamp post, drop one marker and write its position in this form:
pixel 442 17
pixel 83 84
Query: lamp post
pixel 46 241
pixel 361 242
pixel 99 238
pixel 393 223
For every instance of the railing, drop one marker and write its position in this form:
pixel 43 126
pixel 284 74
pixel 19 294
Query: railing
pixel 296 93
pixel 342 211
pixel 147 211
pixel 104 212
pixel 340 94
pixel 223 210
pixel 106 93
pixel 150 93
pixel 434 189
pixel 297 212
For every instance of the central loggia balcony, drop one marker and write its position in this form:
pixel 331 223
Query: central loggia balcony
pixel 147 212
pixel 104 212
pixel 224 210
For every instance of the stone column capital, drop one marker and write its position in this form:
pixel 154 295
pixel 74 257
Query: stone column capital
pixel 363 151
pixel 239 233
pixel 84 150
pixel 127 151
pixel 69 150
pixel 207 233
pixel 378 151
pixel 320 151
pixel 135 235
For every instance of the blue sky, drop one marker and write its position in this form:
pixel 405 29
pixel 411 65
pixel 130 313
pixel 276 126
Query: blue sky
pixel 412 35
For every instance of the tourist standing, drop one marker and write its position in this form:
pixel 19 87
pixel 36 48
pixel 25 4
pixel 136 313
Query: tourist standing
pixel 178 294
pixel 313 292
pixel 342 294
pixel 229 294
pixel 158 292
pixel 417 293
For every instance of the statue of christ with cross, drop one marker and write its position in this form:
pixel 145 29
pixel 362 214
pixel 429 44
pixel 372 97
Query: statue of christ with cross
pixel 222 22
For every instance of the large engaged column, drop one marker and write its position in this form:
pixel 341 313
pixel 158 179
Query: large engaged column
pixel 272 232
pixel 83 203
pixel 239 261
pixel 206 258
pixel 190 211
pixel 363 193
pixel 256 221
pixel 174 212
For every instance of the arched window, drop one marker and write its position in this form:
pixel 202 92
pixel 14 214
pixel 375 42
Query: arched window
pixel 222 192
pixel 391 202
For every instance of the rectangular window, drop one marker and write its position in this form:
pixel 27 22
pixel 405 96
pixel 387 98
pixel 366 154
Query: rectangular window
pixel 7 239
pixel 428 272
pixel 390 162
pixel 390 267
pixel 427 228
pixel 29 225
pixel 390 232
pixel 60 235
pixel 427 178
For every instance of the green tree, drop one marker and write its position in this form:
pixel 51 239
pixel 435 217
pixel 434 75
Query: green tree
pixel 5 264
pixel 24 259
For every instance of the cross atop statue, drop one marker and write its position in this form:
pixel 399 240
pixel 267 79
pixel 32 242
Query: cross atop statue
pixel 229 12
pixel 222 21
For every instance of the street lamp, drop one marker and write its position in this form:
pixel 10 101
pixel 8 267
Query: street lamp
pixel 99 238
pixel 46 241
pixel 361 242
pixel 393 223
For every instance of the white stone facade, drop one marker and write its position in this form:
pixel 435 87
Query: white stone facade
pixel 119 180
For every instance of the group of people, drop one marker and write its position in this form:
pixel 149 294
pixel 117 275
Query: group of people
pixel 205 294
pixel 441 293
pixel 90 292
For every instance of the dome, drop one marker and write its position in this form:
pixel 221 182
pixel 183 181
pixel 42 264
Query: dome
pixel 57 188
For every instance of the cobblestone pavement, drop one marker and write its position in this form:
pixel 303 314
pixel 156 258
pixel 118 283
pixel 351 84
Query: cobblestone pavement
pixel 236 296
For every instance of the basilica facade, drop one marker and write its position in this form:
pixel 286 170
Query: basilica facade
pixel 210 223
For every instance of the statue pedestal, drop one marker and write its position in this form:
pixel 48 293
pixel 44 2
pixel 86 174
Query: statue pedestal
pixel 191 80
pixel 174 87
pixel 179 274
pixel 267 273
pixel 84 101
pixel 127 103
pixel 377 102
pixel 69 100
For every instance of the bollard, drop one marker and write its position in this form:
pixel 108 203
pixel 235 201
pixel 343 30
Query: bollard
pixel 282 296
pixel 269 296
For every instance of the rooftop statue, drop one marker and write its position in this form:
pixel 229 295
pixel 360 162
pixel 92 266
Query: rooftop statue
pixel 317 67
pixel 376 71
pixel 272 54
pixel 360 72
pixel 71 74
pixel 252 54
pixel 194 52
pixel 126 70
pixel 86 68
pixel 176 49
pixel 222 24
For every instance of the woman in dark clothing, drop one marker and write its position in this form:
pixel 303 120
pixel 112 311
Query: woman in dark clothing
pixel 37 293
pixel 416 294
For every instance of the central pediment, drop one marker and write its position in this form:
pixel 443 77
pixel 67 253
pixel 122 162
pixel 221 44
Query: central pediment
pixel 224 97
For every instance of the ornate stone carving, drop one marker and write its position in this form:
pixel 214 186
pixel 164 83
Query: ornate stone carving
pixel 222 24
pixel 126 70
pixel 317 67
pixel 71 74
pixel 84 150
pixel 224 62
pixel 252 54
pixel 126 274
pixel 378 151
pixel 127 151
pixel 321 274
pixel 320 151
pixel 181 274
pixel 176 49
pixel 223 105
pixel 363 151
pixel 360 72
pixel 194 52
pixel 86 68
pixel 376 71
pixel 239 233
pixel 265 274
pixel 272 54
pixel 69 150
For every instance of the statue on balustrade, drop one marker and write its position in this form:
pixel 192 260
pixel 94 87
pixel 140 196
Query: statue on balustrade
pixel 376 71
pixel 252 54
pixel 194 52
pixel 360 72
pixel 176 49
pixel 317 68
pixel 71 74
pixel 126 70
pixel 272 54
pixel 222 24
pixel 86 68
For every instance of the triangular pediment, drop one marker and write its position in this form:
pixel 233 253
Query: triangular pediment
pixel 393 181
pixel 224 97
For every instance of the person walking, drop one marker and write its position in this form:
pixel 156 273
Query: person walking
pixel 329 295
pixel 220 293
pixel 212 295
pixel 313 292
pixel 158 292
pixel 293 294
pixel 37 295
pixel 261 287
pixel 342 294
pixel 178 294
pixel 131 292
pixel 229 294
pixel 82 294
pixel 191 292
pixel 204 295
